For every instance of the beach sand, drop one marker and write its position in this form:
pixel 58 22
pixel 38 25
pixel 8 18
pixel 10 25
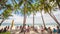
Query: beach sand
pixel 2 27
pixel 31 30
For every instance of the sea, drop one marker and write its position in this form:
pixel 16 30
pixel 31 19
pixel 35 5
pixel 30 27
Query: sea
pixel 52 25
pixel 20 24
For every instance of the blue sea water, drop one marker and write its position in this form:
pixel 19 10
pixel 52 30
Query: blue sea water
pixel 19 24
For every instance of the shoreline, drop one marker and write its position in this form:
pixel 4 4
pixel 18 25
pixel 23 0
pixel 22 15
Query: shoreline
pixel 31 25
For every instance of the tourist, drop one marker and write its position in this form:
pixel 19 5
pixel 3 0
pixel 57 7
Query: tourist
pixel 54 31
pixel 1 30
pixel 20 27
pixel 58 30
pixel 42 29
pixel 5 29
pixel 17 28
pixel 35 28
pixel 28 28
pixel 8 27
pixel 49 30
pixel 45 28
pixel 23 28
pixel 45 31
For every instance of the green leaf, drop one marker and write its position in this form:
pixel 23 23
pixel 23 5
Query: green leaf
pixel 20 3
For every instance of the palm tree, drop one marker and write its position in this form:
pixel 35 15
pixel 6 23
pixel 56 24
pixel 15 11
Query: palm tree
pixel 43 20
pixel 40 7
pixel 1 21
pixel 53 16
pixel 47 7
pixel 50 8
pixel 25 8
pixel 5 15
pixel 34 11
pixel 33 19
pixel 2 4
pixel 55 5
pixel 7 10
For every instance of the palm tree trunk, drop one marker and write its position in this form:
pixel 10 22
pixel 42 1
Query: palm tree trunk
pixel 33 20
pixel 24 21
pixel 2 22
pixel 24 17
pixel 43 20
pixel 52 15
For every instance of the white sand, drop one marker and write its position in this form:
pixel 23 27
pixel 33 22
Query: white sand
pixel 2 27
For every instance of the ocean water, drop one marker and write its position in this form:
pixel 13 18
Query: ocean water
pixel 19 24
pixel 52 25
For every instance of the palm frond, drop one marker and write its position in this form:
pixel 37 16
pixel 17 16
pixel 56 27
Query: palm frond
pixel 20 3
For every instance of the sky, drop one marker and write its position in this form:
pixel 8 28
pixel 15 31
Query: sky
pixel 19 19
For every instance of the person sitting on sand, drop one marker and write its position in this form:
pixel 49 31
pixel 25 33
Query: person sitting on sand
pixel 58 30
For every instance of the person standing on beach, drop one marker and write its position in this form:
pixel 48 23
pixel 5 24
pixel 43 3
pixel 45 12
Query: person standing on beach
pixel 42 29
pixel 45 30
pixel 54 31
pixel 5 29
pixel 49 30
pixel 58 30
pixel 1 30
pixel 28 29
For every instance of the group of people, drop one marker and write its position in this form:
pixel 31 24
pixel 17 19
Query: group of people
pixel 25 28
pixel 4 29
pixel 43 30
